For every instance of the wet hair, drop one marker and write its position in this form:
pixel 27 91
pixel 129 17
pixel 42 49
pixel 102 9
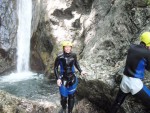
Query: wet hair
pixel 143 44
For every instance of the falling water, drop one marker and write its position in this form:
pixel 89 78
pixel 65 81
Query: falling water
pixel 23 44
pixel 24 35
pixel 25 83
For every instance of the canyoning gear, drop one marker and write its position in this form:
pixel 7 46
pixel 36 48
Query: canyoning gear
pixel 144 95
pixel 138 60
pixel 145 37
pixel 71 101
pixel 67 63
pixel 66 43
pixel 119 100
pixel 63 102
pixel 68 87
pixel 131 85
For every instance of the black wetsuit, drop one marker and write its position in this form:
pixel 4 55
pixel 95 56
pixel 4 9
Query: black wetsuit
pixel 67 61
pixel 138 59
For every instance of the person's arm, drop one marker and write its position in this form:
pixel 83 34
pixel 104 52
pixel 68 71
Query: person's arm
pixel 77 64
pixel 146 56
pixel 56 68
pixel 148 64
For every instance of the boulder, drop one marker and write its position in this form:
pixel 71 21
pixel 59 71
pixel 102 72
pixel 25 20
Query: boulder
pixel 12 104
pixel 102 97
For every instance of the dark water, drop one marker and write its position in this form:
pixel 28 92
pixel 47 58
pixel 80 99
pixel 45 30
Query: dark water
pixel 35 88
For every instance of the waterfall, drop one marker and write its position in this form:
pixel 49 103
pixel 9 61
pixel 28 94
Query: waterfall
pixel 24 35
pixel 23 44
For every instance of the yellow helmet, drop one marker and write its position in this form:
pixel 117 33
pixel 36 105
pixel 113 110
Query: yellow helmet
pixel 145 37
pixel 66 43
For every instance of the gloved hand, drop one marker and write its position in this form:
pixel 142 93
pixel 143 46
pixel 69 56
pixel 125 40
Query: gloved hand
pixel 59 82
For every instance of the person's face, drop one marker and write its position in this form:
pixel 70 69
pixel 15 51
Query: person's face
pixel 67 49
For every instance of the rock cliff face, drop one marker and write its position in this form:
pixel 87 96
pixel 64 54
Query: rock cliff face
pixel 101 31
pixel 8 32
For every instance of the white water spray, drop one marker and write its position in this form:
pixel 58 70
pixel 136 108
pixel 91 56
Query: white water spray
pixel 24 35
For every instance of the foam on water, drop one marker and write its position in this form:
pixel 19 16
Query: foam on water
pixel 16 77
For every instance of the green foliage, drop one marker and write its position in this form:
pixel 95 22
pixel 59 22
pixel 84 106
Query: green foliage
pixel 148 2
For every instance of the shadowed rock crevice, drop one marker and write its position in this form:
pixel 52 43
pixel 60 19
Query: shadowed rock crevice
pixel 63 14
pixel 97 93
pixel 81 6
pixel 41 49
pixel 76 24
pixel 7 59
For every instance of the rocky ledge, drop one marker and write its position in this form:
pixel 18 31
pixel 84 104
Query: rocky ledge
pixel 12 104
pixel 102 96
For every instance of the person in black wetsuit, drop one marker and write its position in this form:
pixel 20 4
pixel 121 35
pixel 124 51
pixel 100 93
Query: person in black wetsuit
pixel 66 79
pixel 138 60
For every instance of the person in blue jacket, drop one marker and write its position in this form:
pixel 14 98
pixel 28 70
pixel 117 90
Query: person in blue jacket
pixel 66 78
pixel 138 60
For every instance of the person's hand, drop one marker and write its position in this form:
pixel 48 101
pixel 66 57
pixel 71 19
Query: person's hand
pixel 83 73
pixel 59 82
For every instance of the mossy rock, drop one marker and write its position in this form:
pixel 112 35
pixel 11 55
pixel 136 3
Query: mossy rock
pixel 141 3
pixel 96 92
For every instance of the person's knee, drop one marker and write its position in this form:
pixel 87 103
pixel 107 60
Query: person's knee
pixel 71 96
pixel 63 102
pixel 71 101
pixel 63 98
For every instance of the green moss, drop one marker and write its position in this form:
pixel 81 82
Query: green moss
pixel 148 2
